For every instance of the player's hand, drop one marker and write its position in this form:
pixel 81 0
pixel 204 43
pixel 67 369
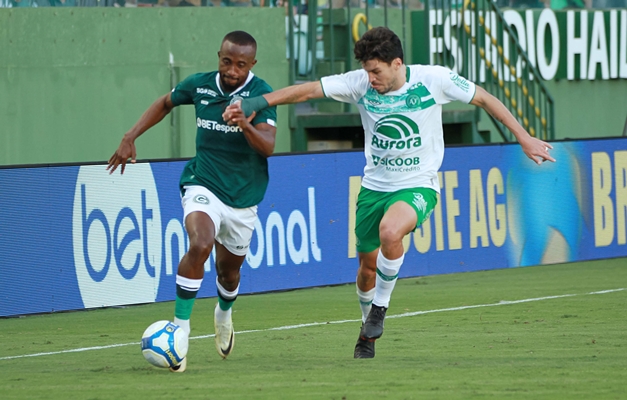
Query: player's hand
pixel 537 150
pixel 125 151
pixel 231 112
pixel 234 114
pixel 249 107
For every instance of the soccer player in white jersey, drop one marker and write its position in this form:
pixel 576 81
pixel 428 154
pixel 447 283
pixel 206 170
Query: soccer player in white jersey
pixel 401 113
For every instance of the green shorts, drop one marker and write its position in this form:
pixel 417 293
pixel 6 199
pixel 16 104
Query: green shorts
pixel 372 205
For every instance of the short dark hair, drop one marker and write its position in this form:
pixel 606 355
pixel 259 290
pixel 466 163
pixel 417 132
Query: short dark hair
pixel 240 38
pixel 378 43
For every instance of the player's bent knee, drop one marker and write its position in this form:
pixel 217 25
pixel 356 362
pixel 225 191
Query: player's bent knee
pixel 200 250
pixel 367 271
pixel 228 277
pixel 389 235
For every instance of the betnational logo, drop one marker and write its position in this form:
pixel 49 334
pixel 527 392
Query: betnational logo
pixel 125 247
pixel 395 132
pixel 117 239
pixel 296 239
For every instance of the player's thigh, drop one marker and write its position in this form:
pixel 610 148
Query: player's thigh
pixel 370 210
pixel 200 229
pixel 200 199
pixel 421 200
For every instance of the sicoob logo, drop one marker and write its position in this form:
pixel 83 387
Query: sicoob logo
pixel 117 239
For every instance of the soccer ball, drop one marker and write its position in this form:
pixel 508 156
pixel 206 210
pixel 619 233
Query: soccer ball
pixel 164 344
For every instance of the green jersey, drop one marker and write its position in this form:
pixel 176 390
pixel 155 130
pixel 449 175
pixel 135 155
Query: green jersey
pixel 224 162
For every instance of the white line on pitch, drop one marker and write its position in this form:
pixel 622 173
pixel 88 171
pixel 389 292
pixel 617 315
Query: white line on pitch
pixel 287 327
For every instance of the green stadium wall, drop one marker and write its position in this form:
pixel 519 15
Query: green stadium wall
pixel 74 80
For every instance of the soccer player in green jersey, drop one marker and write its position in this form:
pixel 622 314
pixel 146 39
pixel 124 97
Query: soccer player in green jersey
pixel 222 185
pixel 401 113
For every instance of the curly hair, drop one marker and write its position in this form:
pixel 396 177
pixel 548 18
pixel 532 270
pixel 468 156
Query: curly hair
pixel 378 43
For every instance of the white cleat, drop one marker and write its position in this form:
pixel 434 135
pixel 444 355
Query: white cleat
pixel 225 336
pixel 181 367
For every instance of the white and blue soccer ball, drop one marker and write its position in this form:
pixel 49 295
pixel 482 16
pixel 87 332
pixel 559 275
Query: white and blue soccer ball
pixel 164 344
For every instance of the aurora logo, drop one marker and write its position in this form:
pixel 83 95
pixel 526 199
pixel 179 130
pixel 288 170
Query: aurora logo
pixel 396 126
pixel 395 132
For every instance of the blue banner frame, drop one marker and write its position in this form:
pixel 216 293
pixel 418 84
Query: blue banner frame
pixel 74 237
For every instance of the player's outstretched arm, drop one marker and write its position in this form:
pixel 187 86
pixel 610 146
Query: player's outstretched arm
pixel 295 94
pixel 288 95
pixel 536 149
pixel 155 113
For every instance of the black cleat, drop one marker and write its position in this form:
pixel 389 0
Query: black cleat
pixel 373 327
pixel 364 348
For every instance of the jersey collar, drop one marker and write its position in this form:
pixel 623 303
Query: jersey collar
pixel 248 79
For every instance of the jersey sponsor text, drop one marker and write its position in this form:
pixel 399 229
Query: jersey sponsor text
pixel 216 126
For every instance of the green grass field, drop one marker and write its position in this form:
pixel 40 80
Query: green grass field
pixel 447 337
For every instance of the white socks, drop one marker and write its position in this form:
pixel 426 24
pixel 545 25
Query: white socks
pixel 387 274
pixel 222 316
pixel 189 284
pixel 226 300
pixel 365 302
pixel 183 323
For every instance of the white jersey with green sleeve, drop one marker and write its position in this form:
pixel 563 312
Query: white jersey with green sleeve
pixel 404 141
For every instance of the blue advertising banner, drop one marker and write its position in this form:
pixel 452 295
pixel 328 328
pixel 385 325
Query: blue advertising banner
pixel 74 237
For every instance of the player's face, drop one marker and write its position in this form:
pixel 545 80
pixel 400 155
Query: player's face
pixel 234 65
pixel 384 77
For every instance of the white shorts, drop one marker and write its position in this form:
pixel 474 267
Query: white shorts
pixel 234 226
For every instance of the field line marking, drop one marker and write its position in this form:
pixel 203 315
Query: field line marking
pixel 288 327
